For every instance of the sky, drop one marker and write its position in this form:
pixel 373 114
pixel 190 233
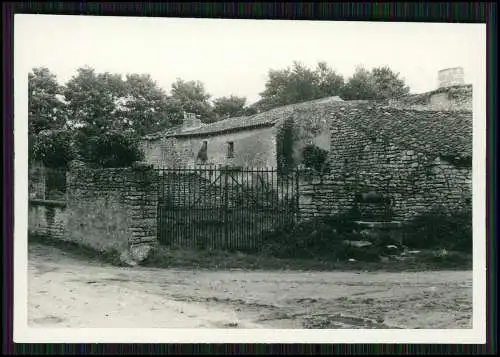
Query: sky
pixel 233 57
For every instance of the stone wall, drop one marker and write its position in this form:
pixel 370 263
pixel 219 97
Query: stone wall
pixel 106 209
pixel 413 181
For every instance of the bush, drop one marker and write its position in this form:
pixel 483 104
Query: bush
pixel 54 148
pixel 114 149
pixel 321 237
pixel 314 157
pixel 441 229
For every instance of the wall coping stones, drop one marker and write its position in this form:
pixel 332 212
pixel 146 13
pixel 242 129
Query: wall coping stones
pixel 141 165
pixel 379 224
pixel 47 203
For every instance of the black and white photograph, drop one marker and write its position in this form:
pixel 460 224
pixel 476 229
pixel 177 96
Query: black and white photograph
pixel 233 177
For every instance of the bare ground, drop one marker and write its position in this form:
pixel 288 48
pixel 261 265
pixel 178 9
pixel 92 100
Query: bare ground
pixel 65 291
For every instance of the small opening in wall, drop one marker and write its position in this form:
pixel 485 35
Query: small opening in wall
pixel 230 149
pixel 202 154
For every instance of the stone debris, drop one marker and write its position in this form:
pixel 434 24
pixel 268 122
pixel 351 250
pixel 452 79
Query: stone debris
pixel 126 259
pixel 140 252
pixel 358 243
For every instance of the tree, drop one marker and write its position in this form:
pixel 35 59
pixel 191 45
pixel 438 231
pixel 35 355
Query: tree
pixel 299 84
pixel 232 106
pixel 111 112
pixel 329 82
pixel 105 101
pixel 46 110
pixel 276 86
pixel 359 86
pixel 93 100
pixel 256 107
pixel 379 83
pixel 174 111
pixel 388 84
pixel 146 106
pixel 250 110
pixel 193 98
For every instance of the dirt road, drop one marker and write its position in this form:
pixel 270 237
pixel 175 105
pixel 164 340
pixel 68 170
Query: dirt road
pixel 68 292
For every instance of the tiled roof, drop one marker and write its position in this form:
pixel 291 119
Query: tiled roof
pixel 267 118
pixel 438 133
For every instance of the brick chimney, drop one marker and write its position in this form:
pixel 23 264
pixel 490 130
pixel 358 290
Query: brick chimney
pixel 190 122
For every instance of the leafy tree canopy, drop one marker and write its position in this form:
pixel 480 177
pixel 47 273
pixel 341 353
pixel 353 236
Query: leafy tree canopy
pixel 379 83
pixel 46 109
pixel 298 84
pixel 193 98
pixel 232 106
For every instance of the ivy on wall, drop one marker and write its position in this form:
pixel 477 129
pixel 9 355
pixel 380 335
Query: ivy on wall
pixel 315 158
pixel 285 139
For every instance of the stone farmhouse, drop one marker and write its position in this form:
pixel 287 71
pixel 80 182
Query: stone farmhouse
pixel 254 141
pixel 242 141
pixel 416 149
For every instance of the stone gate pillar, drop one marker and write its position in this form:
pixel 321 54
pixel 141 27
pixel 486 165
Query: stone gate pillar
pixel 142 200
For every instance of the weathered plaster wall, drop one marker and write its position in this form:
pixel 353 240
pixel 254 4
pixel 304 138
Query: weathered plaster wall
pixel 153 150
pixel 252 148
pixel 47 218
pixel 36 181
pixel 162 152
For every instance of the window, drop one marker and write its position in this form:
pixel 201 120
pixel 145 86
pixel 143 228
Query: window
pixel 230 149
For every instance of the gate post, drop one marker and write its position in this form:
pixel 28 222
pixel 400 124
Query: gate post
pixel 297 195
pixel 226 204
pixel 142 200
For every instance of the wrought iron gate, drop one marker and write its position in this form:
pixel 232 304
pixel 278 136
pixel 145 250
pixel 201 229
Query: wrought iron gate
pixel 224 207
